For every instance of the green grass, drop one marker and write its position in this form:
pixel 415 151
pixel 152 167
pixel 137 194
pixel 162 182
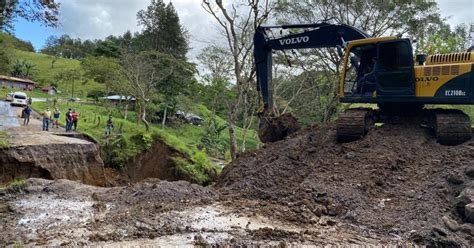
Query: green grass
pixel 4 143
pixel 44 75
pixel 184 137
pixel 15 186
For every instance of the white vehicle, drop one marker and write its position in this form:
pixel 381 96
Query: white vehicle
pixel 20 99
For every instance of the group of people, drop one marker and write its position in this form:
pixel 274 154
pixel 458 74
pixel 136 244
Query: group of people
pixel 71 119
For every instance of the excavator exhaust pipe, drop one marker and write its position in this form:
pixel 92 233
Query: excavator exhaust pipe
pixel 273 128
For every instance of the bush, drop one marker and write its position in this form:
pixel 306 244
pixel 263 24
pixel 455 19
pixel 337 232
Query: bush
pixel 143 141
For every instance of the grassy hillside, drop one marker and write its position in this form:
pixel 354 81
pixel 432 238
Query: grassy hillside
pixel 44 75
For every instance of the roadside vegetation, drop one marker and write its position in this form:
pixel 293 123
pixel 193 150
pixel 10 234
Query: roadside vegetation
pixel 4 140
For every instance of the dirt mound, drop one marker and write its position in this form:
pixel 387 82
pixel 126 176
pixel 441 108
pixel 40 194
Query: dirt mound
pixel 396 181
pixel 272 128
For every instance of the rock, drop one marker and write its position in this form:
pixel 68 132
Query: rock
pixel 350 155
pixel 450 223
pixel 454 179
pixel 467 228
pixel 440 231
pixel 469 171
pixel 469 212
pixel 465 197
pixel 334 210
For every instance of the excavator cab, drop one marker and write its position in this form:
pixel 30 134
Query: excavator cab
pixel 378 70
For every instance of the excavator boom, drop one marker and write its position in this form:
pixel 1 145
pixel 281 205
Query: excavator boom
pixel 316 35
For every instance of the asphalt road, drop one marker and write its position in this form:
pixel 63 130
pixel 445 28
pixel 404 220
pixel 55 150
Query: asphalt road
pixel 8 118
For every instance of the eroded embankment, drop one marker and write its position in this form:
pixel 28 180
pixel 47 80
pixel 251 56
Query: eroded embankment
pixel 157 162
pixel 52 157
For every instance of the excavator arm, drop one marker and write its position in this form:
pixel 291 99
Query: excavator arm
pixel 317 35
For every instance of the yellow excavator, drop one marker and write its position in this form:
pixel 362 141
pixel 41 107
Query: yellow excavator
pixel 378 71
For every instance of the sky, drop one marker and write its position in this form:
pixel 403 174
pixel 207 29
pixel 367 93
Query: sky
pixel 97 19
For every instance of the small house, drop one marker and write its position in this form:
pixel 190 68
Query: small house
pixel 16 83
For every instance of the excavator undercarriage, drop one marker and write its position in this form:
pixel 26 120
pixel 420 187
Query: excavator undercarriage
pixel 450 126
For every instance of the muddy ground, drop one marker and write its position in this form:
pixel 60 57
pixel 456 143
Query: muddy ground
pixel 396 186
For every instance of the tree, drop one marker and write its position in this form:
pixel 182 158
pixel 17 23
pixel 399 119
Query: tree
pixel 107 48
pixel 217 61
pixel 162 29
pixel 238 29
pixel 103 70
pixel 22 68
pixel 143 71
pixel 52 48
pixel 176 83
pixel 443 40
pixel 43 11
pixel 69 76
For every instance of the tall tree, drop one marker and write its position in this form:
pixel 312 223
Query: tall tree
pixel 238 28
pixel 144 72
pixel 22 68
pixel 443 40
pixel 162 29
pixel 69 78
pixel 43 11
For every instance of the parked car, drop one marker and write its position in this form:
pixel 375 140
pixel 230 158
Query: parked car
pixel 189 118
pixel 19 99
pixel 9 97
pixel 75 99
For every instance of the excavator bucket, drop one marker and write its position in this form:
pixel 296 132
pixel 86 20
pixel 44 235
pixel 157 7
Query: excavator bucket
pixel 273 128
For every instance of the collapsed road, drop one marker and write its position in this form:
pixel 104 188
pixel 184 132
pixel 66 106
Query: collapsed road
pixel 397 186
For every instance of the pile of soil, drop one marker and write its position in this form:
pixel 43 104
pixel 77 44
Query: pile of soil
pixel 274 128
pixel 397 181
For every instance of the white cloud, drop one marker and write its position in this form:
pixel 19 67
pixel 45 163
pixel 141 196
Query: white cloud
pixel 96 19
pixel 457 11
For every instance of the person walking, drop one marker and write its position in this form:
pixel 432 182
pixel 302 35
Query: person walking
pixel 46 119
pixel 26 115
pixel 68 120
pixel 75 117
pixel 110 126
pixel 56 115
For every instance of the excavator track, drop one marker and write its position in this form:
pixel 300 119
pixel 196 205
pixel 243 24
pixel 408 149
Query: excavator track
pixel 452 126
pixel 354 124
